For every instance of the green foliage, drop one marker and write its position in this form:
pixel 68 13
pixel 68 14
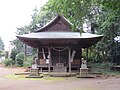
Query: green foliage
pixel 109 26
pixel 19 45
pixel 20 59
pixel 28 61
pixel 104 15
pixel 110 5
pixel 0 53
pixel 39 19
pixel 1 44
pixel 8 62
pixel 23 30
pixel 6 54
pixel 33 25
pixel 99 67
pixel 104 68
pixel 13 54
pixel 74 10
pixel 34 51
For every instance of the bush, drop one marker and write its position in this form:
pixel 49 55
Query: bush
pixel 6 54
pixel 13 54
pixel 8 62
pixel 27 62
pixel 100 67
pixel 20 59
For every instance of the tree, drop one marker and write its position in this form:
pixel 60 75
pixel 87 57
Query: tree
pixel 109 23
pixel 20 59
pixel 1 44
pixel 104 18
pixel 39 19
pixel 19 46
pixel 75 10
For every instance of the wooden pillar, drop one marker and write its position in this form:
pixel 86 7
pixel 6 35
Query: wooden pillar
pixel 87 54
pixel 38 55
pixel 69 57
pixel 25 51
pixel 49 53
pixel 80 53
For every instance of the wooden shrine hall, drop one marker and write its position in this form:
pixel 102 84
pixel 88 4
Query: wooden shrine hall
pixel 59 48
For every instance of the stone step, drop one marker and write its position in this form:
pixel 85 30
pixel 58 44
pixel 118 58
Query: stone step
pixel 34 76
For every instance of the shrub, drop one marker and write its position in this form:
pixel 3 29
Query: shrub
pixel 13 54
pixel 28 61
pixel 8 62
pixel 6 54
pixel 20 59
pixel 100 67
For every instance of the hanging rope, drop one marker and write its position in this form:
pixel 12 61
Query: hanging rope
pixel 59 50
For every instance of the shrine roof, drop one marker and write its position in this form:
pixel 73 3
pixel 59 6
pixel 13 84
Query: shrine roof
pixel 60 38
pixel 58 35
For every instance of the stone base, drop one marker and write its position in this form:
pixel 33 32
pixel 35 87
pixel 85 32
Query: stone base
pixel 84 71
pixel 85 76
pixel 34 72
pixel 59 74
pixel 34 76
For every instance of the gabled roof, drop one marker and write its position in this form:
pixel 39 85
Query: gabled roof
pixel 58 33
pixel 58 24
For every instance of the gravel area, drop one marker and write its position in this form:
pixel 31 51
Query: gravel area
pixel 109 83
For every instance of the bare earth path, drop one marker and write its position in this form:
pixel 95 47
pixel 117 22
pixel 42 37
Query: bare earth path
pixel 111 83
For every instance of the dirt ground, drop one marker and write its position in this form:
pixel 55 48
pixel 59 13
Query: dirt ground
pixel 109 83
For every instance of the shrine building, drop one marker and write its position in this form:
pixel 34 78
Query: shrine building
pixel 59 48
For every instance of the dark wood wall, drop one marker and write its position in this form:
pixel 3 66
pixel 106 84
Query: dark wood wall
pixel 60 56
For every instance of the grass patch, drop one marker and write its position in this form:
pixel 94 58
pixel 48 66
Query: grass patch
pixel 104 68
pixel 23 77
pixel 109 72
pixel 12 76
